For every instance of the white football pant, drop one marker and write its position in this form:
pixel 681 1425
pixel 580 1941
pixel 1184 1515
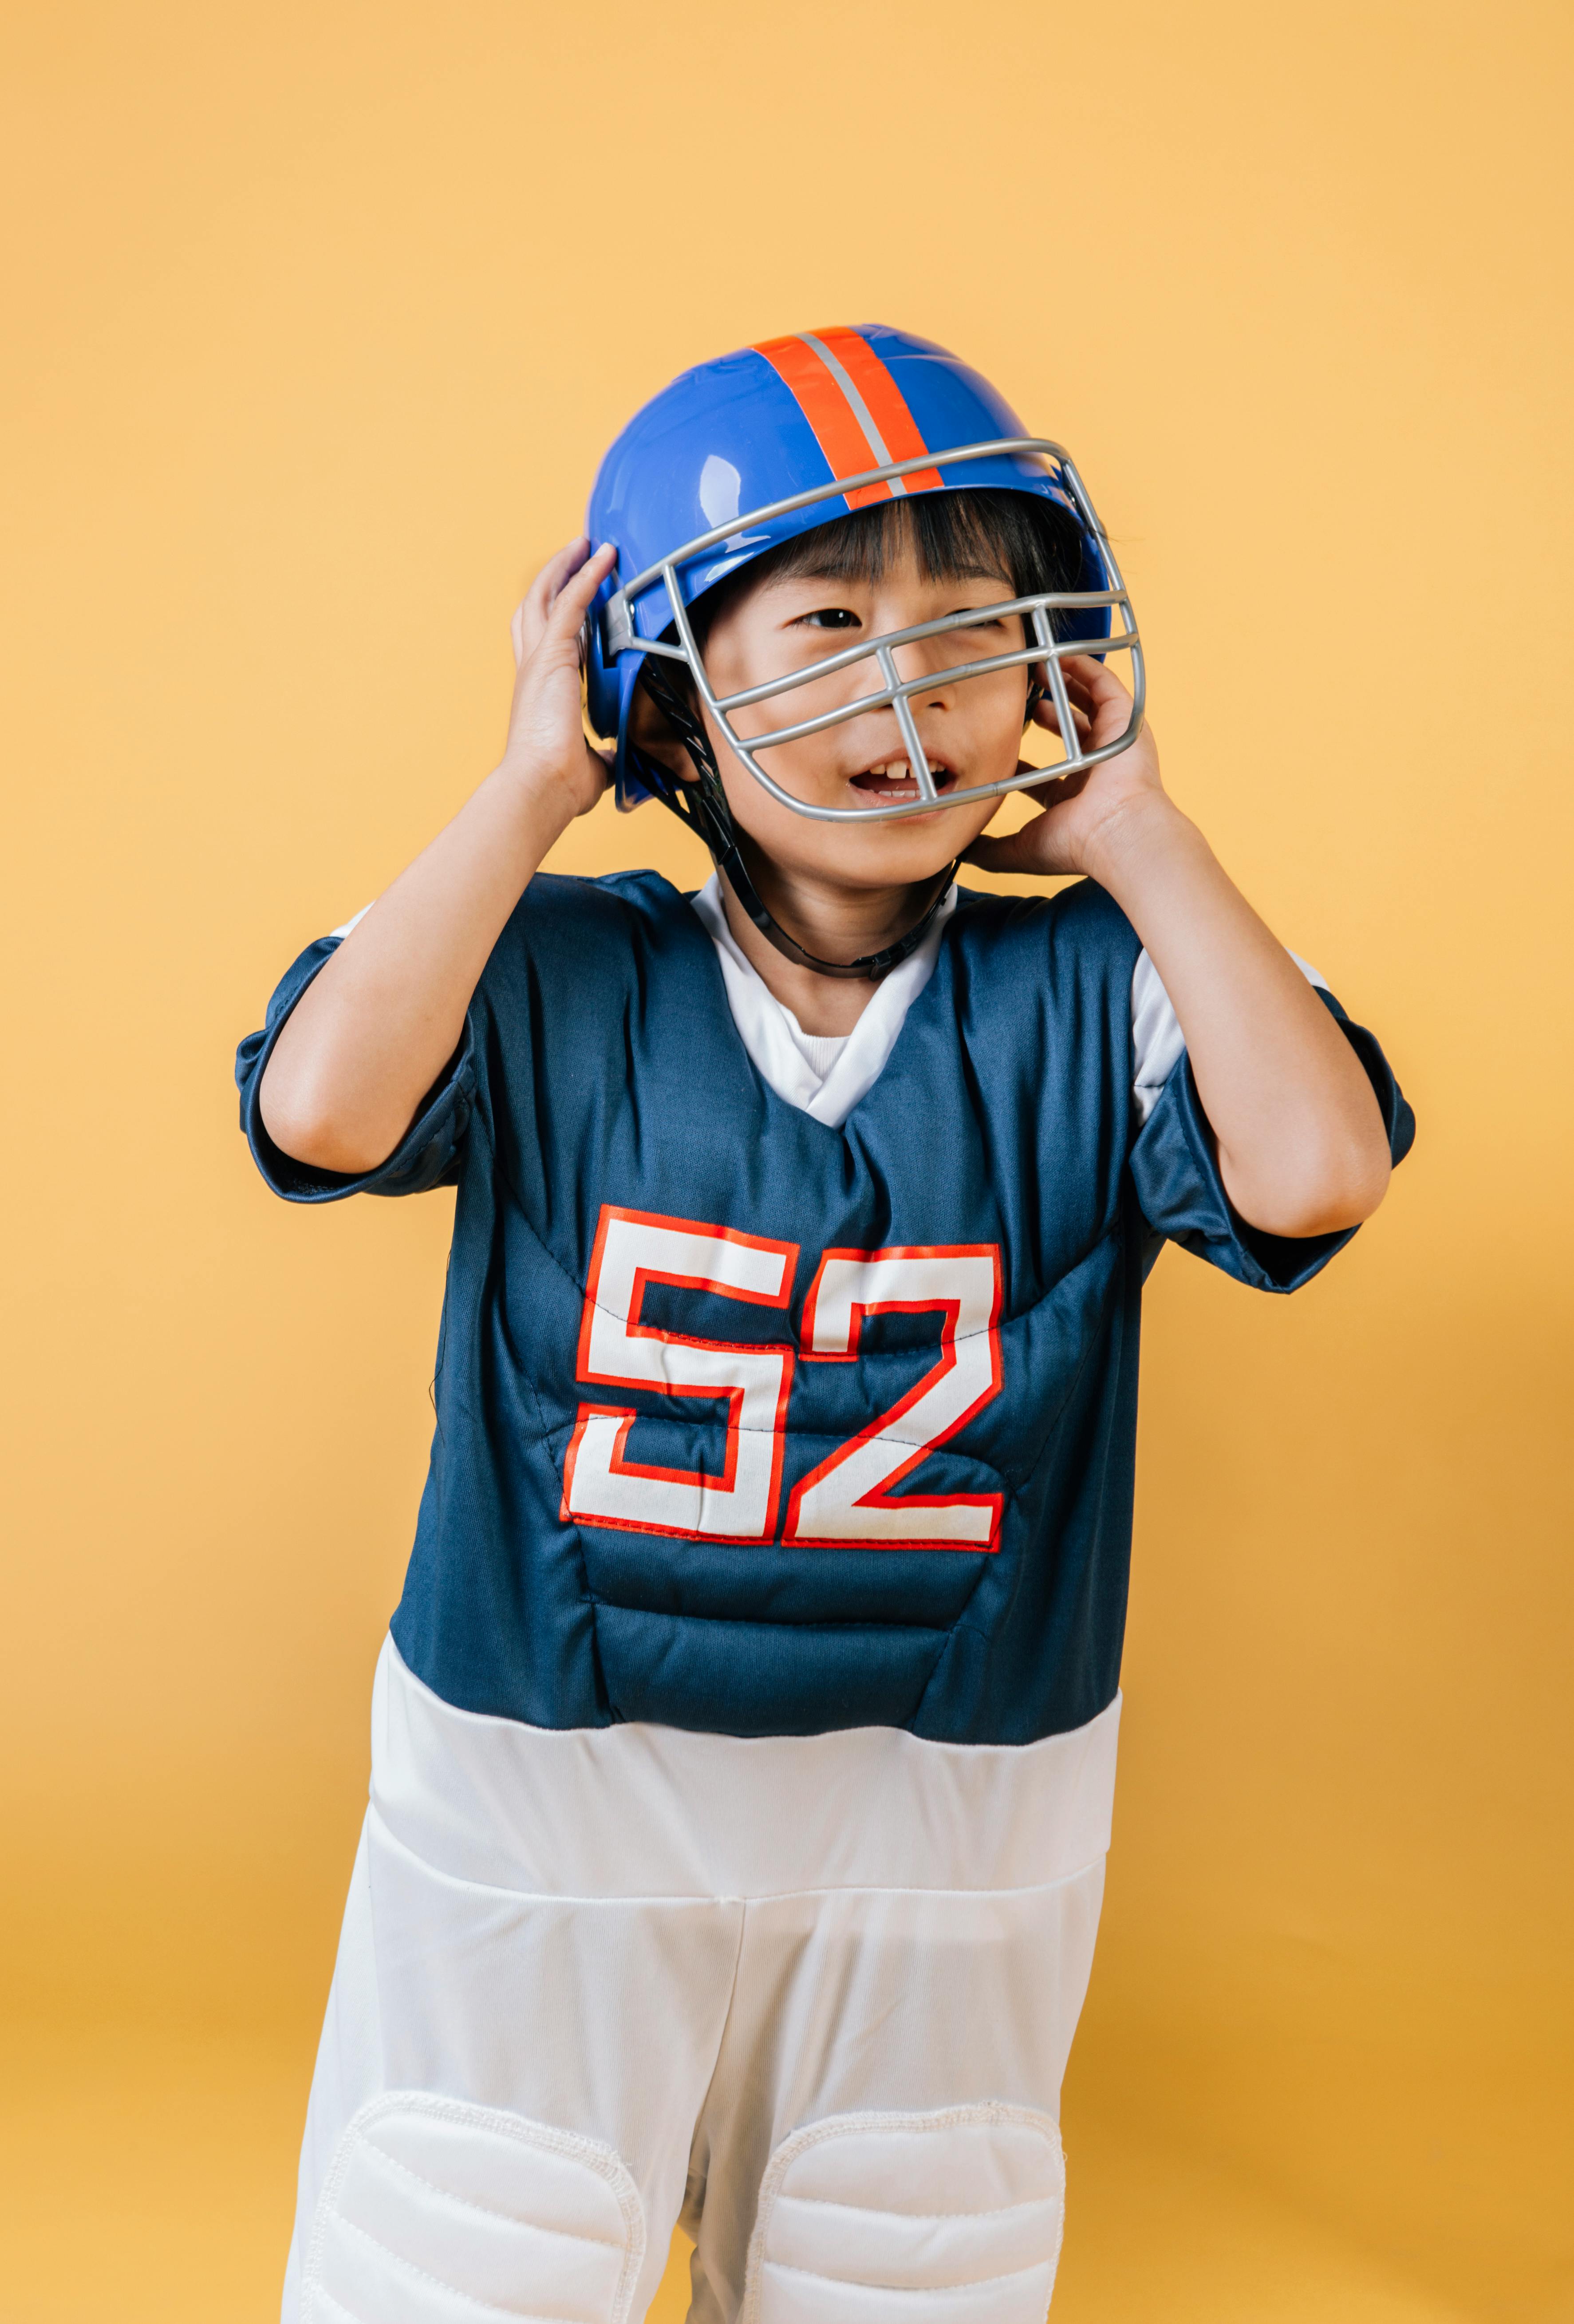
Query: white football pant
pixel 811 1996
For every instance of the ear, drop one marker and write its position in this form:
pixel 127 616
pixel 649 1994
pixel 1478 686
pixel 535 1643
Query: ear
pixel 650 729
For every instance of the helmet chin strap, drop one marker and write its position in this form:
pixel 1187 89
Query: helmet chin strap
pixel 702 806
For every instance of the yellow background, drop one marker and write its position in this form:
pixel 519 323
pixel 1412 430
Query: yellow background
pixel 316 321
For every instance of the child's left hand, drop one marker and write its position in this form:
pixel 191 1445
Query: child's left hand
pixel 1303 1148
pixel 1082 814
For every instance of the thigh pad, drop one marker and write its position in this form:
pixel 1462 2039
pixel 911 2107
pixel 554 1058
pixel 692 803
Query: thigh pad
pixel 948 2218
pixel 436 2212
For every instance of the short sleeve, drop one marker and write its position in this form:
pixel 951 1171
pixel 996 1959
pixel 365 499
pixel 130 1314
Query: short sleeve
pixel 426 1156
pixel 1183 1197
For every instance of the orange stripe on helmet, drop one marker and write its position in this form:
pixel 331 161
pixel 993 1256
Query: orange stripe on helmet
pixel 835 424
pixel 839 429
pixel 886 404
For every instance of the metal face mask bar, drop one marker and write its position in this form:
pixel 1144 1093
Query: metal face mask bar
pixel 620 637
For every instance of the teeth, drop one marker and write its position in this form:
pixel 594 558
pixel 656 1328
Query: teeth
pixel 897 771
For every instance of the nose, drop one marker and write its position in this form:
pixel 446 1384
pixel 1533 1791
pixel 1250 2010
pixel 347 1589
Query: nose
pixel 921 662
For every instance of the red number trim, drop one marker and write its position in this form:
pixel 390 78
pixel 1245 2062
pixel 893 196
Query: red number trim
pixel 881 1496
pixel 634 1329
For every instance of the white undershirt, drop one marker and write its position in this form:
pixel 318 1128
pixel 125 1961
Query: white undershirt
pixel 825 1075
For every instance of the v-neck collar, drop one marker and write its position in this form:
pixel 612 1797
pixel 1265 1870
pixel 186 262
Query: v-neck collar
pixel 763 1024
pixel 757 1014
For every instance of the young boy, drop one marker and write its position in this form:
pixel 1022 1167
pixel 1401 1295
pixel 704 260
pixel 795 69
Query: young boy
pixel 745 1746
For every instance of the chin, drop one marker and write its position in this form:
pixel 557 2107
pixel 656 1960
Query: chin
pixel 871 859
pixel 901 853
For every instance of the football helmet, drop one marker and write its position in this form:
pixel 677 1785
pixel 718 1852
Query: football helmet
pixel 742 454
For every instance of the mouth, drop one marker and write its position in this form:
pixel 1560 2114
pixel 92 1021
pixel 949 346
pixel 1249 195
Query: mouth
pixel 893 780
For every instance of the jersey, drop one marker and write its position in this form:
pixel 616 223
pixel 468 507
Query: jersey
pixel 827 1073
pixel 756 1425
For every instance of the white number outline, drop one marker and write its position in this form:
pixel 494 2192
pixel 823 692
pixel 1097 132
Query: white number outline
pixel 584 1369
pixel 878 1496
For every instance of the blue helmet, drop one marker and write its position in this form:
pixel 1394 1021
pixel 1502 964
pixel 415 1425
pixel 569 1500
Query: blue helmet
pixel 742 454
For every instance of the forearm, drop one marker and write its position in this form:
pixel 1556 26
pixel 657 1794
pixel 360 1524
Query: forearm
pixel 383 1017
pixel 1301 1141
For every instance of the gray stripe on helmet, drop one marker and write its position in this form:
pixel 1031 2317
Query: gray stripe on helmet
pixel 859 408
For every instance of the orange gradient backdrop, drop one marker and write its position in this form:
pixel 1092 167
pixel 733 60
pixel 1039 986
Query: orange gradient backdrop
pixel 316 321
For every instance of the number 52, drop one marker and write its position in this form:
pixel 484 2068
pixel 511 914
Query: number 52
pixel 847 1499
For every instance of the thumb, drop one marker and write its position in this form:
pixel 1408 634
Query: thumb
pixel 1014 851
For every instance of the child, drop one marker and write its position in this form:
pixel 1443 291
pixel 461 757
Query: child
pixel 743 1749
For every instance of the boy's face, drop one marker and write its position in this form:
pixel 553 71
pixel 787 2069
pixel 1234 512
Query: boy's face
pixel 972 731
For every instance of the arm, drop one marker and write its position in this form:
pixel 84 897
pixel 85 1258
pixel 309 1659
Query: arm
pixel 375 1029
pixel 1302 1146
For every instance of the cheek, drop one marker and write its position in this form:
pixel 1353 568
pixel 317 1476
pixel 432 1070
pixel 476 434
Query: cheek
pixel 792 840
pixel 800 767
pixel 733 658
pixel 991 714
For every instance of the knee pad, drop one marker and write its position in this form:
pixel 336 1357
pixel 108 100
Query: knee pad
pixel 435 2211
pixel 950 2217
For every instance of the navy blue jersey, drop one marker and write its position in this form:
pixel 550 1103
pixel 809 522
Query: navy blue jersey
pixel 754 1425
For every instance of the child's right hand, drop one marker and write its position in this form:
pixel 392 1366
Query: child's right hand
pixel 372 1032
pixel 546 743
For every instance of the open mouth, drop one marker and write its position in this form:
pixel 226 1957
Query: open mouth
pixel 894 779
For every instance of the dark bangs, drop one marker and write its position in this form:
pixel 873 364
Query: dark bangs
pixel 1027 543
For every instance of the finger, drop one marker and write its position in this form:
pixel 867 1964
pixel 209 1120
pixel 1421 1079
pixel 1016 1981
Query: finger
pixel 1109 698
pixel 1013 852
pixel 1038 783
pixel 572 602
pixel 562 628
pixel 1023 850
pixel 543 589
pixel 1095 679
pixel 1058 784
pixel 1045 714
pixel 1091 668
pixel 536 605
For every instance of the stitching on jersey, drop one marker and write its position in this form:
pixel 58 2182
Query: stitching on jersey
pixel 806 1436
pixel 1093 1342
pixel 794 1345
pixel 881 1622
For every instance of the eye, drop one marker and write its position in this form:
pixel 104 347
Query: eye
pixel 830 617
